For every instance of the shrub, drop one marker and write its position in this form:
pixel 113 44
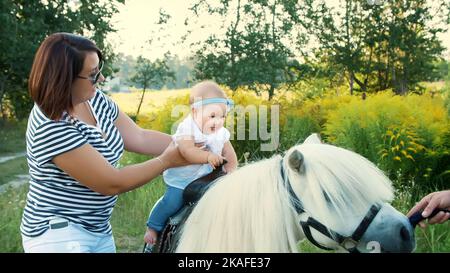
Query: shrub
pixel 406 136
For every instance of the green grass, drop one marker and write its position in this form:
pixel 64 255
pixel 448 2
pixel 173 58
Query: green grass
pixel 11 208
pixel 12 141
pixel 11 168
pixel 434 239
pixel 131 213
pixel 132 210
pixel 12 137
pixel 306 246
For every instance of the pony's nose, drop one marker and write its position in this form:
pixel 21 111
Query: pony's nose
pixel 392 230
pixel 405 233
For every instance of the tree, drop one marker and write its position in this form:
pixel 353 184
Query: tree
pixel 150 73
pixel 414 45
pixel 255 50
pixel 126 66
pixel 25 24
pixel 379 45
pixel 183 70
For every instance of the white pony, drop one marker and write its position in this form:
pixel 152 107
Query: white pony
pixel 332 196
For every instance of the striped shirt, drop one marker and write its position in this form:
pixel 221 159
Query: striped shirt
pixel 52 192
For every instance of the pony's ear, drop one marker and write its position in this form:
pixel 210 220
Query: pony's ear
pixel 296 161
pixel 313 139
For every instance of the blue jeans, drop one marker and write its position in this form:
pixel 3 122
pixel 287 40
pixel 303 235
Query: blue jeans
pixel 168 205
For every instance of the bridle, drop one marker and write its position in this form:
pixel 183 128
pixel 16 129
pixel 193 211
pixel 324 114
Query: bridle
pixel 349 243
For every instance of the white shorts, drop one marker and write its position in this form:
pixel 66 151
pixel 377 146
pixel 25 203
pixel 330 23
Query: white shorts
pixel 67 237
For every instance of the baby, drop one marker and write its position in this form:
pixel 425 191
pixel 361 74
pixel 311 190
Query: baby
pixel 203 141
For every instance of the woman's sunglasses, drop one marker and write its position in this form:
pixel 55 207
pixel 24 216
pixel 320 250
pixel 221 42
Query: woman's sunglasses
pixel 94 78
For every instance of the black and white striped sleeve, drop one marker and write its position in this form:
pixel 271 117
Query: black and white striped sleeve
pixel 54 138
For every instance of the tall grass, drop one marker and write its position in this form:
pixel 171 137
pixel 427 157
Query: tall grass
pixel 153 100
pixel 407 137
pixel 12 203
pixel 12 136
pixel 132 210
pixel 11 168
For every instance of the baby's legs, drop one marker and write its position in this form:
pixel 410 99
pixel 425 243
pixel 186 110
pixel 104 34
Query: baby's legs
pixel 171 202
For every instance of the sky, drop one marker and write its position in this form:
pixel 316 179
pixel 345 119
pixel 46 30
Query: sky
pixel 136 24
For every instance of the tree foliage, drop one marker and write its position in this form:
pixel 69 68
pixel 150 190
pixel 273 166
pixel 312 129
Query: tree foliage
pixel 381 44
pixel 256 49
pixel 151 74
pixel 24 24
pixel 374 45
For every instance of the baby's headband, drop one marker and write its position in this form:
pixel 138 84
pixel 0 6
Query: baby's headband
pixel 229 103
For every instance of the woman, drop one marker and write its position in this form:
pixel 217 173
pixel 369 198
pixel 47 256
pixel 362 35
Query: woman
pixel 75 138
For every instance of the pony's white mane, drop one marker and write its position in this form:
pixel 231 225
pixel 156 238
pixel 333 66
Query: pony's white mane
pixel 249 210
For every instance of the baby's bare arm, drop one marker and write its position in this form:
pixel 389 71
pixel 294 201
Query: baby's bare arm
pixel 230 155
pixel 190 152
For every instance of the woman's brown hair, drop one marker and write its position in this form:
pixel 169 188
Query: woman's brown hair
pixel 57 62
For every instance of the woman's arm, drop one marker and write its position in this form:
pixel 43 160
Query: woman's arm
pixel 140 140
pixel 90 168
pixel 230 155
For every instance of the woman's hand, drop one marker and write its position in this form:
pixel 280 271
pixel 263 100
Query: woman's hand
pixel 171 157
pixel 430 202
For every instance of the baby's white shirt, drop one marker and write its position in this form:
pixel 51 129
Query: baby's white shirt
pixel 180 177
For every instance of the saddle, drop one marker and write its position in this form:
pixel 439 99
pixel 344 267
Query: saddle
pixel 195 190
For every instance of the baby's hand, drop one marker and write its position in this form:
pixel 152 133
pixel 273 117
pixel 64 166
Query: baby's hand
pixel 214 160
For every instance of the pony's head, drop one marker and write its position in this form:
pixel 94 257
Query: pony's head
pixel 341 200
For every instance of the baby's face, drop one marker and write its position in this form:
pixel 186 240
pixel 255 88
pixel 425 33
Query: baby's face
pixel 211 117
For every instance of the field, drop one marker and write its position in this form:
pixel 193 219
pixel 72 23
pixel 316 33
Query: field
pixel 128 102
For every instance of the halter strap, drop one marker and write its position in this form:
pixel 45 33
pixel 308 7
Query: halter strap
pixel 359 232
